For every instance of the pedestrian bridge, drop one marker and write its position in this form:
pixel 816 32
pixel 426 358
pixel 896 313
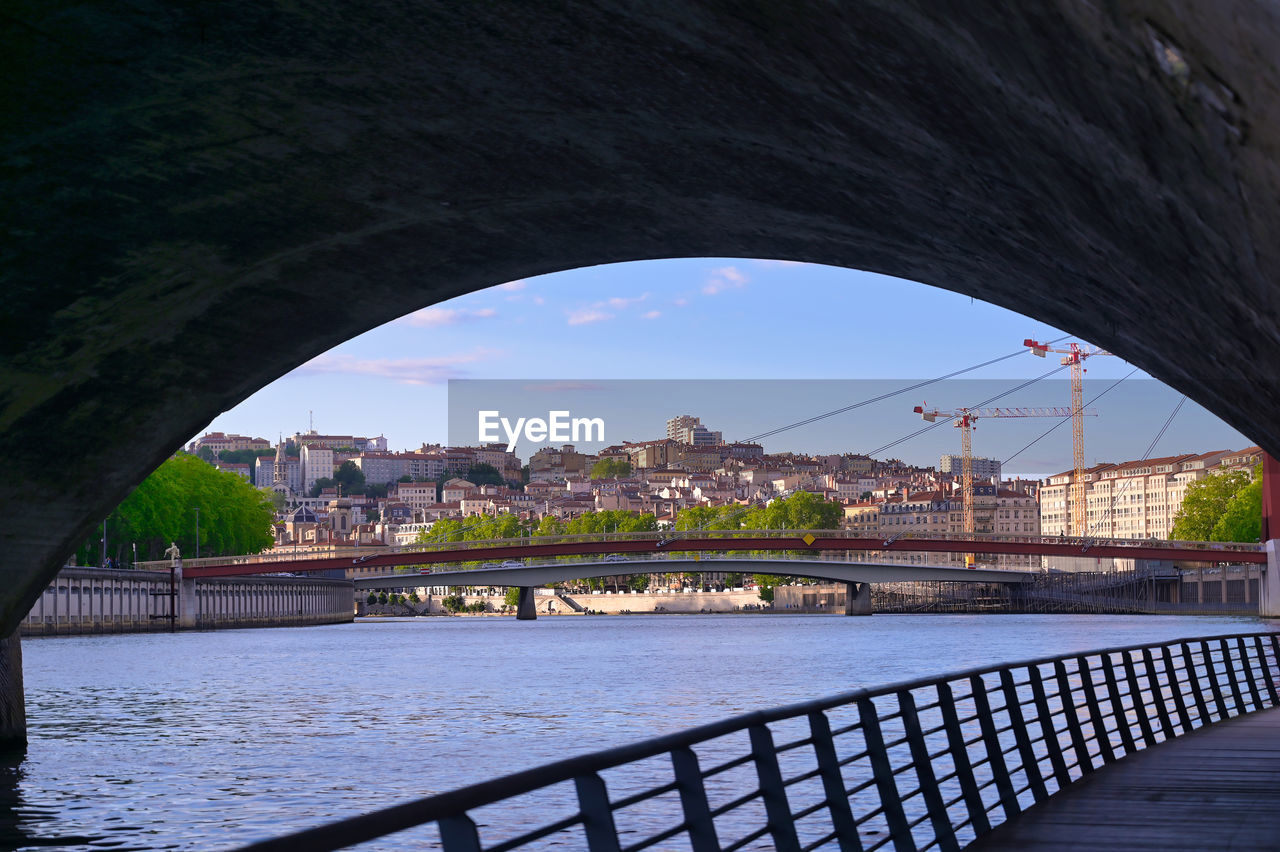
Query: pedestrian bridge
pixel 541 574
pixel 813 542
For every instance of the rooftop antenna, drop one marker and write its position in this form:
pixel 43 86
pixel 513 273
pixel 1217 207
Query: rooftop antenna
pixel 311 420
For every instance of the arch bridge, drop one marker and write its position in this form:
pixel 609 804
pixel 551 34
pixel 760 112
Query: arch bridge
pixel 191 194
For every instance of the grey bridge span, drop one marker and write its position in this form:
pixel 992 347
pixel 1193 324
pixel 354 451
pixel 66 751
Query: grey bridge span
pixel 857 575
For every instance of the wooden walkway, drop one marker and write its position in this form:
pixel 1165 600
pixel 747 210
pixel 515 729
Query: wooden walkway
pixel 1213 789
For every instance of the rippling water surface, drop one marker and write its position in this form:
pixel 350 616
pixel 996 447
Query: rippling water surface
pixel 212 740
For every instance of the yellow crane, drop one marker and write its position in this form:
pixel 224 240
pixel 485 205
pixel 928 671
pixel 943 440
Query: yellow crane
pixel 964 421
pixel 1074 357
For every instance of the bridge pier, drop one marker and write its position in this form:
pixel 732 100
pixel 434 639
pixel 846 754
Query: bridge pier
pixel 526 607
pixel 857 599
pixel 1269 593
pixel 186 603
pixel 13 707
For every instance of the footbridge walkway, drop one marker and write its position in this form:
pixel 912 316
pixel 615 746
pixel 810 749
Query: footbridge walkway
pixel 1002 756
pixel 725 541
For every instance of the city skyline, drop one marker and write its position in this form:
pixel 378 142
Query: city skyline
pixel 675 319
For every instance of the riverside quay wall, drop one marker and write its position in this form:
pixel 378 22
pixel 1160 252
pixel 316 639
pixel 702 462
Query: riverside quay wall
pixel 99 600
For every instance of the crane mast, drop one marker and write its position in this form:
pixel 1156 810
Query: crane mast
pixel 1074 357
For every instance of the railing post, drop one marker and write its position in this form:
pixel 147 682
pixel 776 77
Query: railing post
pixel 1211 670
pixel 1105 751
pixel 458 834
pixel 1232 680
pixel 882 771
pixel 1252 681
pixel 995 753
pixel 693 799
pixel 938 817
pixel 781 824
pixel 1197 688
pixel 1157 695
pixel 960 757
pixel 597 815
pixel 1135 697
pixel 1048 727
pixel 1030 765
pixel 1265 670
pixel 824 750
pixel 1117 704
pixel 1071 714
pixel 1179 700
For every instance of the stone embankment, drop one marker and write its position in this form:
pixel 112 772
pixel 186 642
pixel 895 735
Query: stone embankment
pixel 100 600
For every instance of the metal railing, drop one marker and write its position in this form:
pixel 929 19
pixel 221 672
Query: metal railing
pixel 929 763
pixel 1218 550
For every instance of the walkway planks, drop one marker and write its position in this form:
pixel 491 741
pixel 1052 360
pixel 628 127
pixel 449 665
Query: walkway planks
pixel 1214 788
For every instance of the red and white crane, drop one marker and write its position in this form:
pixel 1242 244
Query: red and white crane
pixel 1074 357
pixel 964 421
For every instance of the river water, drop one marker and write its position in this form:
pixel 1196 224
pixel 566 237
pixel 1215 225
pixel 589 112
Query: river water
pixel 215 739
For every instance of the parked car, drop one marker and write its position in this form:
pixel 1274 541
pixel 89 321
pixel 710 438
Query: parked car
pixel 615 557
pixel 513 563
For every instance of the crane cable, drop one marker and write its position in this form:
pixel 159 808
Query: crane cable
pixel 890 394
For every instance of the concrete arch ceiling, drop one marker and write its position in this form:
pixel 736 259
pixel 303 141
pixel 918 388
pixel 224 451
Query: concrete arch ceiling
pixel 201 197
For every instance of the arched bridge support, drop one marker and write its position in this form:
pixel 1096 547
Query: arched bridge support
pixel 526 607
pixel 1269 599
pixel 13 709
pixel 857 599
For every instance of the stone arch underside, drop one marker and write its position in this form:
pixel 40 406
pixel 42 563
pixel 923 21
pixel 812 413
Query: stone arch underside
pixel 200 199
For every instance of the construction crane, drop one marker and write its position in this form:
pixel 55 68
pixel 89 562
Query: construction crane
pixel 964 421
pixel 1074 357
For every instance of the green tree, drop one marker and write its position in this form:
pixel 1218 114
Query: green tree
pixel 235 517
pixel 549 525
pixel 248 457
pixel 610 468
pixel 275 497
pixel 372 599
pixel 205 454
pixel 800 511
pixel 349 478
pixel 512 597
pixel 765 584
pixel 638 582
pixel 484 474
pixel 1242 518
pixel 321 484
pixel 1205 504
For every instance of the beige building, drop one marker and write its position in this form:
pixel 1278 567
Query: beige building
pixel 926 513
pixel 1134 499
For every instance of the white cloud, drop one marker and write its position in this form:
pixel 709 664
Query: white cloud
pixel 538 300
pixel 681 302
pixel 582 316
pixel 409 371
pixel 512 286
pixel 651 315
pixel 763 262
pixel 620 302
pixel 436 316
pixel 724 278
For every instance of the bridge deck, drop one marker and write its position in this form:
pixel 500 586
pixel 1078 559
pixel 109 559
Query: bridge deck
pixel 1214 788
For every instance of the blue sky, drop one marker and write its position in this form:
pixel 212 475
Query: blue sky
pixel 705 318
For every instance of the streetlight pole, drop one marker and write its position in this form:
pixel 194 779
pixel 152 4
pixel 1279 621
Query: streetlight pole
pixel 197 532
pixel 103 563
